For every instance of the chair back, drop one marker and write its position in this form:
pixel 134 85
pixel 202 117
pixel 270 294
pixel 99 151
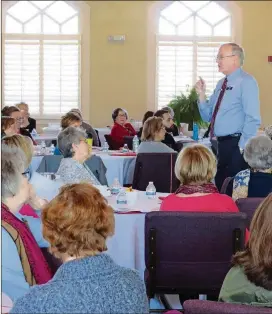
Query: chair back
pixel 158 168
pixel 129 141
pixel 190 252
pixel 50 163
pixel 212 307
pixel 53 262
pixel 248 206
pixel 112 144
pixel 227 186
pixel 97 133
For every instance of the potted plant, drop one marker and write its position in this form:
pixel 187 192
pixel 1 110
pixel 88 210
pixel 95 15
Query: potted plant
pixel 186 109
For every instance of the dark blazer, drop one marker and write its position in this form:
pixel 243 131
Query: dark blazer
pixel 169 141
pixel 32 125
pixel 174 130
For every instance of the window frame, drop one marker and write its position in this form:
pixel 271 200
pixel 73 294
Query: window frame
pixel 154 37
pixel 84 55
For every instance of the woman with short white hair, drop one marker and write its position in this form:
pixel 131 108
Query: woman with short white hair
pixel 257 180
pixel 23 264
pixel 73 145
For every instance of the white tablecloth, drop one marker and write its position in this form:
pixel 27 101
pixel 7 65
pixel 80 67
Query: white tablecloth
pixel 121 167
pixel 101 133
pixel 45 137
pixel 187 141
pixel 126 247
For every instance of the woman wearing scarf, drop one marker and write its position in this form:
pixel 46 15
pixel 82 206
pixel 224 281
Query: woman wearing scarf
pixel 23 264
pixel 195 168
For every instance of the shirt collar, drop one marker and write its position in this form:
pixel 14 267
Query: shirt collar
pixel 234 74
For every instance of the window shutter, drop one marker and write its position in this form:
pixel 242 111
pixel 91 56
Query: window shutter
pixel 21 73
pixel 175 70
pixel 61 76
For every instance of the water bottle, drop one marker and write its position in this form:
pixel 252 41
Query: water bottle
pixel 151 191
pixel 135 143
pixel 43 150
pixel 121 199
pixel 106 147
pixel 52 149
pixel 195 131
pixel 34 133
pixel 125 148
pixel 115 187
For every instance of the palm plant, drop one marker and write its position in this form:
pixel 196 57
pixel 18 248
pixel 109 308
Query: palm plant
pixel 186 109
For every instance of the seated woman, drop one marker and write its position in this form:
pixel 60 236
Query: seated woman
pixel 20 121
pixel 23 264
pixel 196 168
pixel 121 127
pixel 250 279
pixel 8 127
pixel 77 224
pixel 257 180
pixel 87 127
pixel 147 115
pixel 173 128
pixel 152 137
pixel 31 123
pixel 42 188
pixel 75 150
pixel 268 131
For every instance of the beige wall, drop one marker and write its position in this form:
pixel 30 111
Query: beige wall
pixel 119 71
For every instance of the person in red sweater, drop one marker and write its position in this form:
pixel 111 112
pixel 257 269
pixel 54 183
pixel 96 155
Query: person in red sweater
pixel 195 168
pixel 121 127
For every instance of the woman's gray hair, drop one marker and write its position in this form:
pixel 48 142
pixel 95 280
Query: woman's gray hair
pixel 170 110
pixel 12 166
pixel 258 152
pixel 67 138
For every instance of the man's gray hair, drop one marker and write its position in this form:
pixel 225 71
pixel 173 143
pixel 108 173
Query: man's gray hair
pixel 268 131
pixel 258 152
pixel 67 138
pixel 12 166
pixel 238 51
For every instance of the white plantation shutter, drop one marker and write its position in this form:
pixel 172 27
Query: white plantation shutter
pixel 190 33
pixel 21 72
pixel 175 70
pixel 60 76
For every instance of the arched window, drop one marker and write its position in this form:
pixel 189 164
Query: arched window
pixel 42 56
pixel 189 34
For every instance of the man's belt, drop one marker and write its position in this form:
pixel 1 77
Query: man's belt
pixel 227 137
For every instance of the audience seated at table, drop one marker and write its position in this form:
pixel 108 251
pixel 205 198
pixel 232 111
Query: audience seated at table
pixel 195 168
pixel 167 122
pixel 257 180
pixel 147 115
pixel 42 188
pixel 8 127
pixel 77 224
pixel 152 136
pixel 87 127
pixel 250 279
pixel 20 121
pixel 173 128
pixel 74 147
pixel 23 264
pixel 121 127
pixel 31 122
pixel 268 131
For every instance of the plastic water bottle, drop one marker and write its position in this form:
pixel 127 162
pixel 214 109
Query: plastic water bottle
pixel 135 143
pixel 52 149
pixel 195 131
pixel 121 199
pixel 43 145
pixel 34 133
pixel 125 148
pixel 151 191
pixel 106 147
pixel 115 187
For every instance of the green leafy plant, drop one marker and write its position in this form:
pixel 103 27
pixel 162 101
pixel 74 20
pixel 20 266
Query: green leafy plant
pixel 186 109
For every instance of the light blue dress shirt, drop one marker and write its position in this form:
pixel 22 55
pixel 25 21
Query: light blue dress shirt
pixel 14 283
pixel 239 111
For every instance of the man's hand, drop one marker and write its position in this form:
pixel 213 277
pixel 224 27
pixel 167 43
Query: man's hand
pixel 200 87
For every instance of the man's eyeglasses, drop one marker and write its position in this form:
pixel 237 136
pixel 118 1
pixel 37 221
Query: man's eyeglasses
pixel 218 58
pixel 26 174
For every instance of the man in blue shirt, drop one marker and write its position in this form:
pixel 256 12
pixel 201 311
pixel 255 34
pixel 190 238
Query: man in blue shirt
pixel 233 110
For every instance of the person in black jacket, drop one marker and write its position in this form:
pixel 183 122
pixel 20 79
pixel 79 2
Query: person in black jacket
pixel 173 128
pixel 25 110
pixel 167 122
